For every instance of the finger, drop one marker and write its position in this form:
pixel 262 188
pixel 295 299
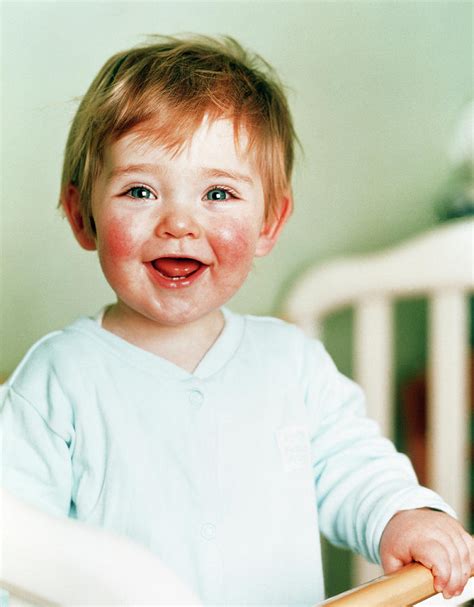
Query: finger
pixel 468 561
pixel 391 564
pixel 454 583
pixel 436 557
pixel 459 579
pixel 470 543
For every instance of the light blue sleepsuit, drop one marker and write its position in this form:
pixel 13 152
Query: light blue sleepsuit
pixel 228 474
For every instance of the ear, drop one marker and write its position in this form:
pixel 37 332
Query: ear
pixel 70 201
pixel 273 226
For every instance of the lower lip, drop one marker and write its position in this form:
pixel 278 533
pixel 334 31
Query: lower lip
pixel 175 283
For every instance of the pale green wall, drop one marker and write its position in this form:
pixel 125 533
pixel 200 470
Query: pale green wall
pixel 375 89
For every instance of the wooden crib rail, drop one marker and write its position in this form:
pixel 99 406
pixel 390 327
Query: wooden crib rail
pixel 411 584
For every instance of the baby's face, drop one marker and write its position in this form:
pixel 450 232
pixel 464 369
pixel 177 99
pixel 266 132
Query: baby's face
pixel 176 235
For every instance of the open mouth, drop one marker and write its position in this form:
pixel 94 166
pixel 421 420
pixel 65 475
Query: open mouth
pixel 177 271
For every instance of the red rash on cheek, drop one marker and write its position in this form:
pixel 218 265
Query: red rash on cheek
pixel 115 239
pixel 233 241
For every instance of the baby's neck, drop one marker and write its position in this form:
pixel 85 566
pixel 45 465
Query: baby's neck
pixel 184 345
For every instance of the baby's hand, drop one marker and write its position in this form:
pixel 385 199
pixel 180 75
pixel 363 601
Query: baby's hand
pixel 434 539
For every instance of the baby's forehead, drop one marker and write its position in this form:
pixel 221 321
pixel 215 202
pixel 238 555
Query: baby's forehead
pixel 213 143
pixel 221 131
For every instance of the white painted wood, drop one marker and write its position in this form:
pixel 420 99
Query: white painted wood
pixel 311 326
pixel 439 259
pixel 448 421
pixel 363 571
pixel 373 361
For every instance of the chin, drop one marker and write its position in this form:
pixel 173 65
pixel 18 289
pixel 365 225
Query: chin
pixel 175 318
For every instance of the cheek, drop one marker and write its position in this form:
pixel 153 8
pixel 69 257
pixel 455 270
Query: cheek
pixel 234 242
pixel 116 239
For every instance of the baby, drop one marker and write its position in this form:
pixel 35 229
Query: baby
pixel 223 443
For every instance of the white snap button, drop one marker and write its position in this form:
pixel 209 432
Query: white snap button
pixel 208 531
pixel 196 397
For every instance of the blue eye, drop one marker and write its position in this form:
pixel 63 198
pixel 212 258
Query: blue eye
pixel 141 193
pixel 218 194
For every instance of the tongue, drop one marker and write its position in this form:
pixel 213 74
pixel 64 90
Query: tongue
pixel 172 267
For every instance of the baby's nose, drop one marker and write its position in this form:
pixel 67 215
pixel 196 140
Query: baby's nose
pixel 178 223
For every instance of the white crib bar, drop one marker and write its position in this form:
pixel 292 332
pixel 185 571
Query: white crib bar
pixel 373 358
pixel 448 422
pixel 373 355
pixel 311 325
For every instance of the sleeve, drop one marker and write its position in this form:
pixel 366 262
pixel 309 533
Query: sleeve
pixel 36 462
pixel 361 480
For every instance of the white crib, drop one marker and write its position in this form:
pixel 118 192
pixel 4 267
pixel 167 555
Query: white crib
pixel 440 266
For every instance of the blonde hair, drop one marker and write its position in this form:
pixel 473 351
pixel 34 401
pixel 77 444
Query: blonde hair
pixel 178 82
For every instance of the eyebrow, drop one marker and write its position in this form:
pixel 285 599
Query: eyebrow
pixel 216 173
pixel 131 168
pixel 153 168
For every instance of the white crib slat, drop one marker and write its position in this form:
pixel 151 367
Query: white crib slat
pixel 373 358
pixel 373 371
pixel 448 399
pixel 310 325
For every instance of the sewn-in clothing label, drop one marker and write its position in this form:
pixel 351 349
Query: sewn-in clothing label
pixel 293 443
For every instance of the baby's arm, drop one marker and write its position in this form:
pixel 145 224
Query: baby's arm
pixel 368 496
pixel 434 539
